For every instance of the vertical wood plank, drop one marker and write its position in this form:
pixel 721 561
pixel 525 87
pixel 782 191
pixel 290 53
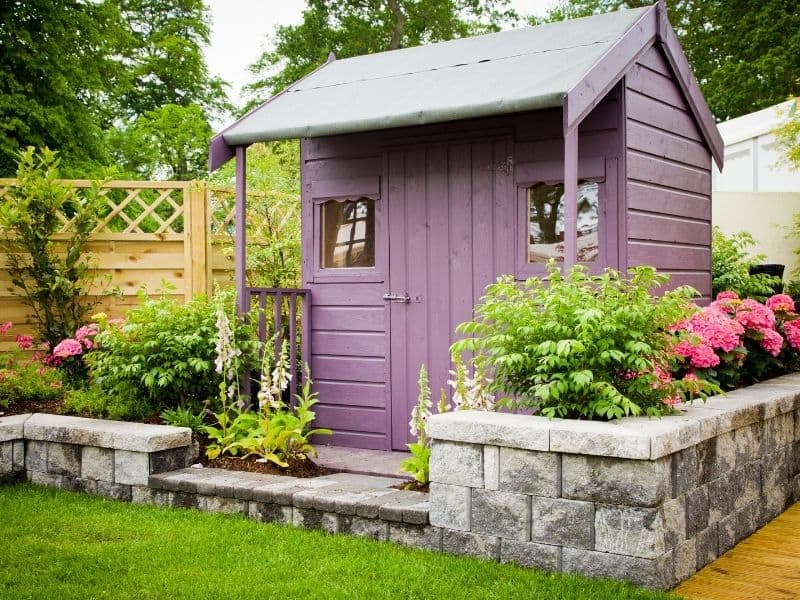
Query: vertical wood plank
pixel 483 229
pixel 188 254
pixel 293 345
pixel 240 249
pixel 570 198
pixel 199 238
pixel 506 227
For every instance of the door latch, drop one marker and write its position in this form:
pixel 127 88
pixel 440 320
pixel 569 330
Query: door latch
pixel 404 299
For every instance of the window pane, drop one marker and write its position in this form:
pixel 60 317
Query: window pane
pixel 546 222
pixel 348 234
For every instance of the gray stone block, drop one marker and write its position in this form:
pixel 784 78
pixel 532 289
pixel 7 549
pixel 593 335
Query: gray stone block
pixel 706 547
pixel 6 457
pixel 747 485
pixel 307 517
pixel 131 468
pixel 778 432
pixel 657 573
pixel 631 531
pixel 450 506
pixel 616 481
pixel 795 489
pixel 794 465
pixel 493 429
pixel 725 454
pixel 417 514
pixel 370 503
pixel 776 500
pixel 774 470
pixel 187 500
pixel 228 506
pixel 721 494
pixel 399 505
pixel 504 514
pixel 530 554
pixel 706 461
pixel 97 463
pixel 696 511
pixel 685 471
pixel 18 455
pixel 12 427
pixel 562 522
pixel 726 534
pixel 685 557
pixel 114 491
pixel 746 521
pixel 269 513
pixel 173 458
pixel 471 544
pixel 674 521
pixel 142 494
pixel 530 472
pixel 491 467
pixel 86 486
pixel 64 459
pixel 375 529
pixel 749 444
pixel 457 464
pixel 416 536
pixel 797 425
pixel 51 480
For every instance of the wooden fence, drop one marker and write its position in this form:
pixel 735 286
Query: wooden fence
pixel 176 233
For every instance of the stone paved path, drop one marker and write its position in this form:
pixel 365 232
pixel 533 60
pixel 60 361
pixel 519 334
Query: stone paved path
pixel 357 460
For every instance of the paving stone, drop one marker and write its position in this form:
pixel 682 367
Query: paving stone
pixel 450 506
pixel 530 472
pixel 685 557
pixel 456 464
pixel 230 506
pixel 494 429
pixel 674 521
pixel 12 427
pixel 416 536
pixel 360 481
pixel 282 492
pixel 64 459
pixel 131 468
pixel 491 467
pixel 721 494
pixel 501 513
pixel 35 456
pixel 628 530
pixel 97 463
pixel 530 554
pixel 562 522
pixel 685 471
pixel 18 455
pixel 394 510
pixel 616 481
pixel 417 514
pixel 470 544
pixel 696 511
pixel 375 529
pixel 269 513
pixel 749 444
pixel 655 573
pixel 705 547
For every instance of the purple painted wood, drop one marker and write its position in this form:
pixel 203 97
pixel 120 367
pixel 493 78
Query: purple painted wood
pixel 570 198
pixel 652 111
pixel 349 318
pixel 219 152
pixel 666 173
pixel 656 199
pixel 663 144
pixel 240 250
pixel 348 393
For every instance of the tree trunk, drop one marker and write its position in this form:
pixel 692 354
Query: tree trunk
pixel 399 24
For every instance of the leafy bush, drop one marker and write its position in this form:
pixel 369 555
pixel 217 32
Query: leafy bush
pixel 26 379
pixel 95 402
pixel 184 416
pixel 581 346
pixel 730 267
pixel 51 277
pixel 164 353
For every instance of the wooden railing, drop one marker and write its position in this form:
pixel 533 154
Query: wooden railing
pixel 284 314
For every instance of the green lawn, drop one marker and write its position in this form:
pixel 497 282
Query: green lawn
pixel 61 545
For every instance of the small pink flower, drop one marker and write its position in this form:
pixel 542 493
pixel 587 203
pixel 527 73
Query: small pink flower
pixel 5 327
pixel 772 341
pixel 67 348
pixel 700 355
pixel 25 342
pixel 671 400
pixel 727 295
pixel 780 303
pixel 85 334
pixel 754 315
pixel 791 330
pixel 690 377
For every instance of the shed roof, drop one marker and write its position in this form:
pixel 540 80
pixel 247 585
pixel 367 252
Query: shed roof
pixel 511 71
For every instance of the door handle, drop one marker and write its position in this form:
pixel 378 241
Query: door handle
pixel 404 299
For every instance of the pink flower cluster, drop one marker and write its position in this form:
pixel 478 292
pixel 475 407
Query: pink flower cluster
pixel 68 347
pixel 85 335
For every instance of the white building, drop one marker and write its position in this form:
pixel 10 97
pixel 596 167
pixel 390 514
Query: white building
pixel 755 192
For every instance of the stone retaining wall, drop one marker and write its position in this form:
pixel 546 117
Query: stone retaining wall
pixel 647 500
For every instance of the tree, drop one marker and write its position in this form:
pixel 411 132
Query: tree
pixel 57 72
pixel 355 27
pixel 788 138
pixel 745 55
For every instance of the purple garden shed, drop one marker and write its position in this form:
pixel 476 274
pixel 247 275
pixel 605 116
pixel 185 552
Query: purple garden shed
pixel 427 172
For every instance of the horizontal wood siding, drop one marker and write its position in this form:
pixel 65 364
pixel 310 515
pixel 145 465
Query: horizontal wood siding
pixel 668 178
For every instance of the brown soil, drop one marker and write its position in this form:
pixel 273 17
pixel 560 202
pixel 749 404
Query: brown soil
pixel 413 486
pixel 21 407
pixel 297 468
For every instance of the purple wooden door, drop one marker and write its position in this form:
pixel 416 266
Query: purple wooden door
pixel 451 232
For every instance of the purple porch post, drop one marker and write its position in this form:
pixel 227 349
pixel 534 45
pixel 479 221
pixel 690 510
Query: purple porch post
pixel 570 198
pixel 240 251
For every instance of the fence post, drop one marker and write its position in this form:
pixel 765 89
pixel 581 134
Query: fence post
pixel 197 254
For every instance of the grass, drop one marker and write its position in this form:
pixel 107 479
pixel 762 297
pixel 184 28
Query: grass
pixel 63 545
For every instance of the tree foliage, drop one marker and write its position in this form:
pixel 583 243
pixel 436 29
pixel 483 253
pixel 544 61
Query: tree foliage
pixel 788 136
pixel 745 55
pixel 355 27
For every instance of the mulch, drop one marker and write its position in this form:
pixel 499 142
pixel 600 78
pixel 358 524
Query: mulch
pixel 21 407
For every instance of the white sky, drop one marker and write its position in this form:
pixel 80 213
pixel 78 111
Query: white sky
pixel 240 30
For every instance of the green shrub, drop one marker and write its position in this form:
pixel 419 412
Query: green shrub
pixel 28 381
pixel 163 354
pixel 580 346
pixel 96 402
pixel 184 416
pixel 730 267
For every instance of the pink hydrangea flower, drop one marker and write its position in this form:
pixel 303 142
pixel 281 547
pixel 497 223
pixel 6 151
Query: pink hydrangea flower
pixel 5 327
pixel 690 377
pixel 701 356
pixel 67 348
pixel 791 329
pixel 85 334
pixel 772 341
pixel 24 342
pixel 754 315
pixel 716 329
pixel 727 295
pixel 780 303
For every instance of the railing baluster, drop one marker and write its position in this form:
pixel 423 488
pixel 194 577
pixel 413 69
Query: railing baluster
pixel 278 310
pixel 305 341
pixel 262 317
pixel 293 343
